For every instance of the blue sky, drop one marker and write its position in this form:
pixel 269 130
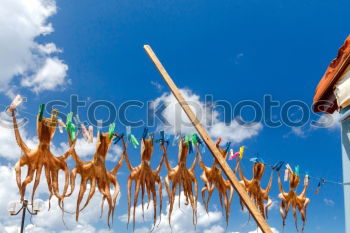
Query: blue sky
pixel 234 50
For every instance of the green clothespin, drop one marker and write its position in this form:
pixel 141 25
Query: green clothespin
pixel 69 122
pixel 72 132
pixel 194 139
pixel 41 112
pixel 297 170
pixel 111 130
pixel 134 141
pixel 188 138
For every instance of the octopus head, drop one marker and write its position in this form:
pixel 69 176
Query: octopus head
pixel 258 170
pixel 46 127
pixel 293 180
pixel 146 148
pixel 103 143
pixel 183 150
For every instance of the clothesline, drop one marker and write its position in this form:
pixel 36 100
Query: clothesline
pixel 321 180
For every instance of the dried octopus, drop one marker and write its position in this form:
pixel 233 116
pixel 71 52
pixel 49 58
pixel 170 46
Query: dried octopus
pixel 182 176
pixel 292 199
pixel 253 187
pixel 41 157
pixel 96 172
pixel 212 176
pixel 146 178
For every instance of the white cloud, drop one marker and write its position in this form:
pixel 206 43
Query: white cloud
pixel 328 202
pixel 21 23
pixel 178 122
pixel 330 121
pixel 274 230
pixel 50 76
pixel 298 131
pixel 215 228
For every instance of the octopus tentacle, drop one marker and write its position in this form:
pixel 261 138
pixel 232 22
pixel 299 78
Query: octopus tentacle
pixel 80 196
pixel 37 180
pixel 129 197
pixel 91 192
pixel 137 189
pixel 26 181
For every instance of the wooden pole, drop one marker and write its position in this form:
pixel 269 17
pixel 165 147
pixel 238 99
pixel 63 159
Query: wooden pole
pixel 210 144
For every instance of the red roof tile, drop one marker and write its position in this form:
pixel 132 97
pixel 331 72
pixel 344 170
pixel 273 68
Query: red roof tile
pixel 324 99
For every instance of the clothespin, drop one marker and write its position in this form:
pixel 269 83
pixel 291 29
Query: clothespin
pixel 306 179
pixel 99 126
pixel 198 139
pixel 54 114
pixel 256 160
pixel 286 172
pixel 15 102
pixel 241 152
pixel 128 132
pixel 77 123
pixel 278 166
pixel 69 122
pixel 85 132
pixel 190 147
pixel 194 139
pixel 41 112
pixel 188 138
pixel 111 130
pixel 232 155
pixel 134 141
pixel 145 133
pixel 117 139
pixel 228 144
pixel 162 137
pixel 320 183
pixel 91 134
pixel 297 170
pixel 61 125
pixel 72 132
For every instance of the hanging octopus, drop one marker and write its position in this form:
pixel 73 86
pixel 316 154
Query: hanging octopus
pixel 146 178
pixel 212 177
pixel 96 172
pixel 292 199
pixel 256 193
pixel 182 176
pixel 41 157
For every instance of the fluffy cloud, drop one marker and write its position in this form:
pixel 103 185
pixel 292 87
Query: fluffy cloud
pixel 274 230
pixel 328 202
pixel 178 122
pixel 330 121
pixel 51 75
pixel 22 56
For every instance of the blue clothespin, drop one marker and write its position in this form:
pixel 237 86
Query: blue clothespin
pixel 199 140
pixel 145 133
pixel 117 139
pixel 256 160
pixel 190 147
pixel 278 166
pixel 228 144
pixel 162 137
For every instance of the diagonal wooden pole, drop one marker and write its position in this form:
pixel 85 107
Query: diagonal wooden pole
pixel 210 144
